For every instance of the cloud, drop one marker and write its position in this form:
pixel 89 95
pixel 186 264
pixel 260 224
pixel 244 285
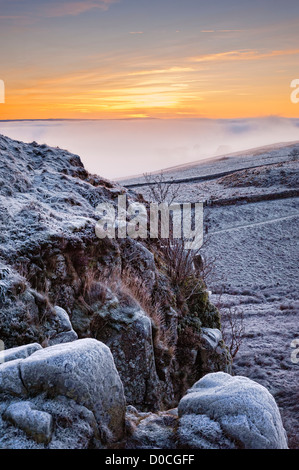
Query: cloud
pixel 221 30
pixel 243 54
pixel 74 8
pixel 136 32
pixel 230 30
pixel 162 71
pixel 54 9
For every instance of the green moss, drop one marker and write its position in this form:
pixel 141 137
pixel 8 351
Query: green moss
pixel 199 306
pixel 189 323
pixel 211 317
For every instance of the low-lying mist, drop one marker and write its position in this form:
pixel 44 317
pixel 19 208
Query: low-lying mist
pixel 119 148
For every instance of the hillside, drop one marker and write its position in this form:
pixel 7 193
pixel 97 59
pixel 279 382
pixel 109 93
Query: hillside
pixel 60 282
pixel 102 340
pixel 251 219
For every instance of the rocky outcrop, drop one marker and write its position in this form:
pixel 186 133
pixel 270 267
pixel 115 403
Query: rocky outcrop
pixel 61 328
pixel 59 282
pixel 73 383
pixel 130 338
pixel 213 355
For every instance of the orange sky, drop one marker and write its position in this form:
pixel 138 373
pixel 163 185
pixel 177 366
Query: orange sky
pixel 86 60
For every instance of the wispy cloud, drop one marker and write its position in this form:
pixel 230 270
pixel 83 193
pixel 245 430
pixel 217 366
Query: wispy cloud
pixel 54 9
pixel 136 32
pixel 245 54
pixel 74 8
pixel 162 71
pixel 229 30
pixel 221 30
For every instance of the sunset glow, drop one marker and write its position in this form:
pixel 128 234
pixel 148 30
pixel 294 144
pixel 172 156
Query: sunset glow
pixel 108 59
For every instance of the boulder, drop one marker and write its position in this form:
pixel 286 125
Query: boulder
pixel 63 319
pixel 28 424
pixel 36 424
pixel 212 336
pixel 20 352
pixel 10 380
pixel 64 337
pixel 243 410
pixel 83 371
pixel 201 432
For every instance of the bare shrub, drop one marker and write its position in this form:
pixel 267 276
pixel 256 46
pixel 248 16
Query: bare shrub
pixel 233 328
pixel 161 190
pixel 179 262
pixel 206 268
pixel 191 271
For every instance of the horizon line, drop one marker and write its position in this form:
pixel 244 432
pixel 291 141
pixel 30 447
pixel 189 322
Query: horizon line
pixel 151 118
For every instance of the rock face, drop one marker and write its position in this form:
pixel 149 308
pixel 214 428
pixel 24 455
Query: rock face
pixel 221 411
pixel 213 355
pixel 128 332
pixel 59 282
pixel 62 328
pixel 57 383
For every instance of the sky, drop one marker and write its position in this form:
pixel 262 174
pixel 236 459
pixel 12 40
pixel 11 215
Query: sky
pixel 163 59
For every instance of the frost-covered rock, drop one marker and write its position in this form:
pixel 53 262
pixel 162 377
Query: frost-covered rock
pixel 63 319
pixel 213 354
pixel 74 426
pixel 64 337
pixel 10 379
pixel 83 374
pixel 84 371
pixel 127 330
pixel 201 432
pixel 151 430
pixel 223 408
pixel 213 336
pixel 20 352
pixel 50 256
pixel 63 329
pixel 36 424
pixel 218 412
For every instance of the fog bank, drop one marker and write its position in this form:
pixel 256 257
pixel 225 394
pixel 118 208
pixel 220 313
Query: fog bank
pixel 119 148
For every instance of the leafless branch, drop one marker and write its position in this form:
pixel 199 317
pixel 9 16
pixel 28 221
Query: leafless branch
pixel 161 190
